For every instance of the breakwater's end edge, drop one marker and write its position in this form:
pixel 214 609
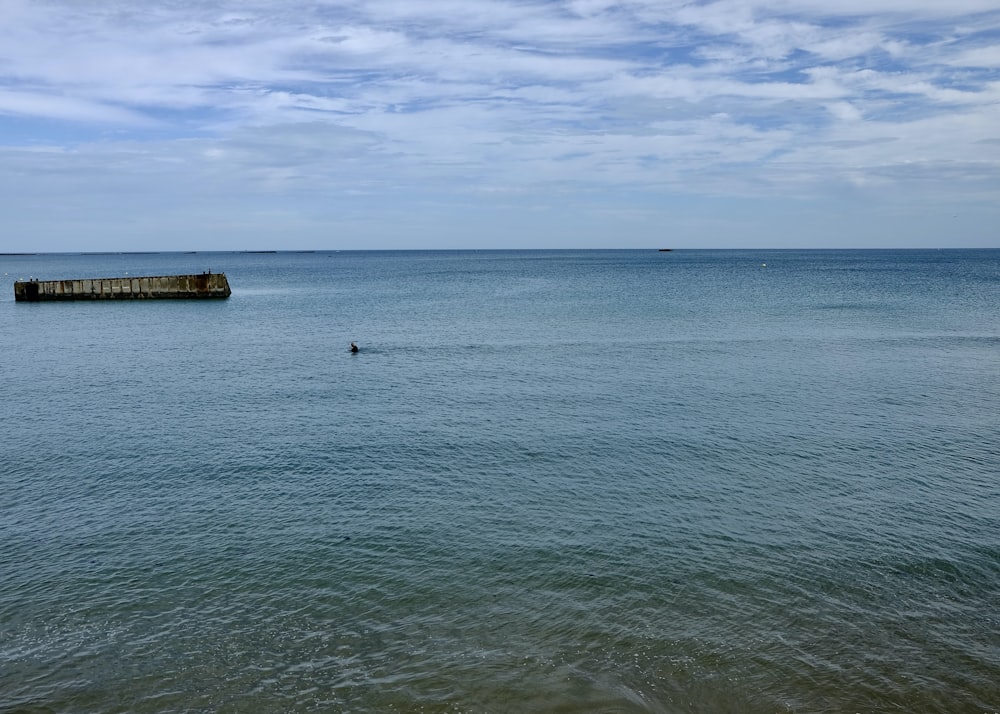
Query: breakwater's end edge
pixel 202 286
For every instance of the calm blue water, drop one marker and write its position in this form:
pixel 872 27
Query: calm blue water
pixel 618 481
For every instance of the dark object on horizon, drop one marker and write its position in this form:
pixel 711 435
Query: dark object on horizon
pixel 354 347
pixel 665 250
pixel 206 285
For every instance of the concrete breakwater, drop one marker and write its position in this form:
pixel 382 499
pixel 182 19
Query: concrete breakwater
pixel 205 285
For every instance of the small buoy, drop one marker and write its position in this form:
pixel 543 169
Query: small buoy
pixel 763 265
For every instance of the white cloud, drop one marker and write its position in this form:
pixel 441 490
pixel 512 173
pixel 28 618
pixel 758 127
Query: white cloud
pixel 226 102
pixel 845 111
pixel 932 9
pixel 48 106
pixel 979 57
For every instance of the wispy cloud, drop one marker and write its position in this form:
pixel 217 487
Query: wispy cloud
pixel 647 108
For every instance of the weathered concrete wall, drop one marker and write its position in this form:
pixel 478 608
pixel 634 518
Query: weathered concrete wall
pixel 206 285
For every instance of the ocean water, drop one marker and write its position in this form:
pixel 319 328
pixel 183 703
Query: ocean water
pixel 566 481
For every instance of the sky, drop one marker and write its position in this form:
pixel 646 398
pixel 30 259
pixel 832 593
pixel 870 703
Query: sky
pixel 387 124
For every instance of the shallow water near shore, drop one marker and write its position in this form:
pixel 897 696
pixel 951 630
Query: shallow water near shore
pixel 550 481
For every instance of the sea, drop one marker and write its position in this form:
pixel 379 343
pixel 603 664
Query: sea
pixel 549 481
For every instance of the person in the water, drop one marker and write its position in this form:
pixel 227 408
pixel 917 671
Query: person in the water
pixel 354 347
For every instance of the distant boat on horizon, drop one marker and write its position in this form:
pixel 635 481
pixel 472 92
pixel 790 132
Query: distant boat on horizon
pixel 665 250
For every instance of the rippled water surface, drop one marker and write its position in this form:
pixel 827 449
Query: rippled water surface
pixel 620 481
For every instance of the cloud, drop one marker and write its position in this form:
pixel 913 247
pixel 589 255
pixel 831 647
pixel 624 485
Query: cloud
pixel 977 57
pixel 433 103
pixel 45 105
